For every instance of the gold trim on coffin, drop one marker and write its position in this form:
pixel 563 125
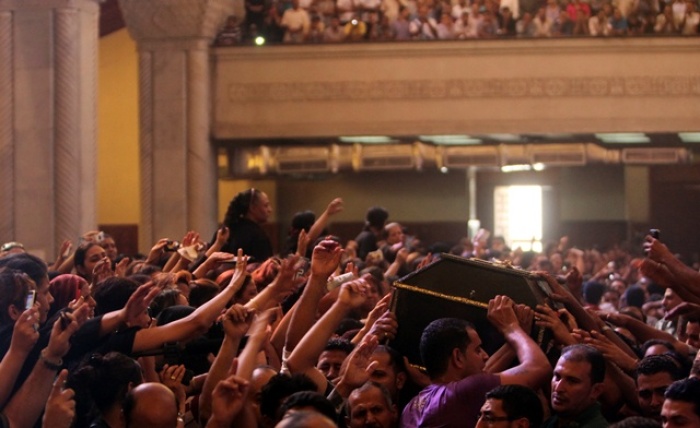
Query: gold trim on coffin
pixel 441 295
pixel 464 300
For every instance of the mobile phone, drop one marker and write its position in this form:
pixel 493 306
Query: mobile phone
pixel 655 233
pixel 65 320
pixel 31 297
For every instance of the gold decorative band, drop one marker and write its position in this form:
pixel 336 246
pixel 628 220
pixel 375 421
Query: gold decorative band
pixel 441 295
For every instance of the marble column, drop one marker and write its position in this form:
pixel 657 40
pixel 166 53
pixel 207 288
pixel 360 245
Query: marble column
pixel 178 163
pixel 48 121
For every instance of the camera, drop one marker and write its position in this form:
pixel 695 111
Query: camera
pixel 655 233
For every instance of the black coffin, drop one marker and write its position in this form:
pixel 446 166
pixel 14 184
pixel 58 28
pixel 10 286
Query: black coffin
pixel 460 288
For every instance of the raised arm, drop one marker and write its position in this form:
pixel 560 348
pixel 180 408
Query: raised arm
pixel 198 321
pixel 665 269
pixel 26 405
pixel 24 337
pixel 533 369
pixel 303 358
pixel 235 323
pixel 324 261
pixel 333 208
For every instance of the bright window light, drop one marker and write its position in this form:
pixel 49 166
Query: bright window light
pixel 518 211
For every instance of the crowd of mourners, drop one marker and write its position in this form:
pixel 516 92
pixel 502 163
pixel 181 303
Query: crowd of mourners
pixel 227 332
pixel 333 21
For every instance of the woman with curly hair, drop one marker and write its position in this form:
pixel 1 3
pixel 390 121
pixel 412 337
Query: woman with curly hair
pixel 246 214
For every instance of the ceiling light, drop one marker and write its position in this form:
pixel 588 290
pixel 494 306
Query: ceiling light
pixel 689 137
pixel 516 168
pixel 623 138
pixel 450 139
pixel 368 139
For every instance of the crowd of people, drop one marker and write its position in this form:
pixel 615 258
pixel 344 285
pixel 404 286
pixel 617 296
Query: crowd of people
pixel 331 21
pixel 232 333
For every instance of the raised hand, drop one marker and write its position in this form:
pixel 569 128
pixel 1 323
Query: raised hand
pixel 102 271
pixel 353 293
pixel 171 376
pixel 548 318
pixel 325 258
pixel 60 406
pixel 501 313
pixel 357 368
pixel 156 251
pixel 59 342
pixel 303 242
pixel 236 321
pixel 335 206
pixel 24 333
pixel 139 302
pixel 239 273
pixel 222 235
pixel 610 351
pixel 227 398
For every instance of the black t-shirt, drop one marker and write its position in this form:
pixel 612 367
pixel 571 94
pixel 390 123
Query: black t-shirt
pixel 249 236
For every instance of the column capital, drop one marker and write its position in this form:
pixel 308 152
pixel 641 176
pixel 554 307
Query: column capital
pixel 154 20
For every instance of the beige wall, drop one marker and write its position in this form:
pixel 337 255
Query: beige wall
pixel 118 131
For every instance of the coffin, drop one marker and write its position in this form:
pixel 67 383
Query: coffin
pixel 461 288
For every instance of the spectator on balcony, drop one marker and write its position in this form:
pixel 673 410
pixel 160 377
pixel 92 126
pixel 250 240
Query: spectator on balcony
pixel 543 25
pixel 458 8
pixel 618 23
pixel 445 29
pixel 691 20
pixel 665 23
pixel 627 7
pixel 563 26
pixel 488 27
pixel 576 6
pixel 316 30
pixel 463 27
pixel 355 30
pixel 326 10
pixel 678 7
pixel 382 31
pixel 369 10
pixel 525 26
pixel 296 23
pixel 506 22
pixel 391 9
pixel 599 25
pixel 272 29
pixel 401 27
pixel 552 9
pixel 254 15
pixel 334 32
pixel 424 27
pixel 345 10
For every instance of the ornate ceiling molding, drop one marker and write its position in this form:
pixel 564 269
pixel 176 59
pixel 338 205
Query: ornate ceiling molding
pixel 386 90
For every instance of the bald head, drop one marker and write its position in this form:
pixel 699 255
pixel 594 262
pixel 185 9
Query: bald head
pixel 150 405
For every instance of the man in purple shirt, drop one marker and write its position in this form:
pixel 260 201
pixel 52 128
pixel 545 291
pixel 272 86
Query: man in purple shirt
pixel 456 363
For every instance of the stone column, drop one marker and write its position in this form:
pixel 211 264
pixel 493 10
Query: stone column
pixel 178 163
pixel 48 121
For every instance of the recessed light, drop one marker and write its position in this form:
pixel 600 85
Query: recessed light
pixel 623 138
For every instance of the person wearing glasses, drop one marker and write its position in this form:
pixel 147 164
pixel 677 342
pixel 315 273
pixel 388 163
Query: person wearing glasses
pixel 246 214
pixel 514 406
